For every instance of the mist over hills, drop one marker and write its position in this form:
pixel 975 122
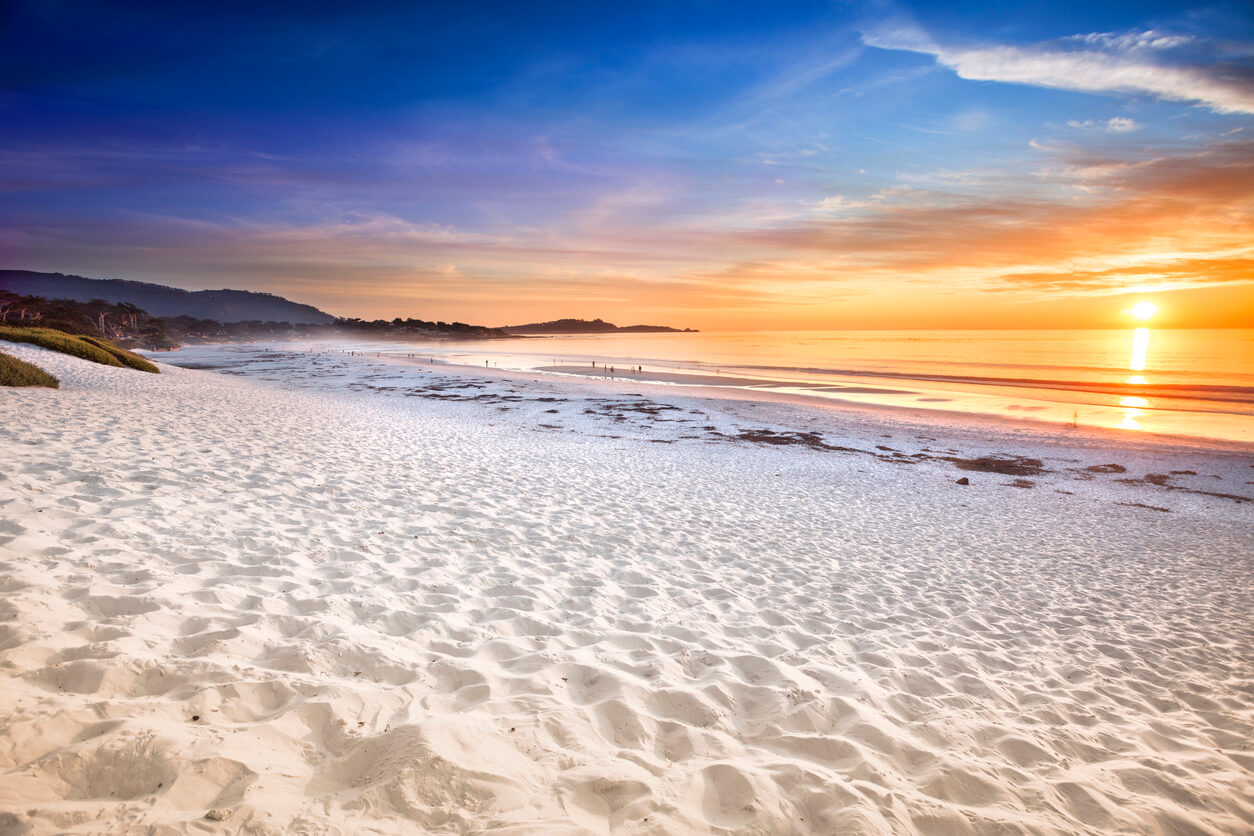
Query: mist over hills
pixel 158 300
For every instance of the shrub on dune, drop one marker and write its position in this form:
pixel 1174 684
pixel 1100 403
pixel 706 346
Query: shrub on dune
pixel 88 348
pixel 126 358
pixel 59 341
pixel 15 372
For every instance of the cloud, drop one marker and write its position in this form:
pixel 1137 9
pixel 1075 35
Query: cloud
pixel 837 204
pixel 1115 125
pixel 1146 62
pixel 1183 220
pixel 1125 41
pixel 1206 269
pixel 1175 220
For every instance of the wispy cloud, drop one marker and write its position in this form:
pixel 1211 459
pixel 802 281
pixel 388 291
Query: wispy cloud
pixel 1184 270
pixel 1115 125
pixel 1147 62
pixel 1180 220
pixel 1177 220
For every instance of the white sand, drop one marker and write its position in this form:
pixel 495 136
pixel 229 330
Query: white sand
pixel 335 596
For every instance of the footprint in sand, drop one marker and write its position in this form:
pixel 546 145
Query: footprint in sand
pixel 727 797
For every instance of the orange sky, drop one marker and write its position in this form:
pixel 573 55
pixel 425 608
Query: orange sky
pixel 1177 229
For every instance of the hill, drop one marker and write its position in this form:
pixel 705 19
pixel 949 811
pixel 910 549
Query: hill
pixel 161 301
pixel 130 325
pixel 584 326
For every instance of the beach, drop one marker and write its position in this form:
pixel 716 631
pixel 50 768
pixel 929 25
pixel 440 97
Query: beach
pixel 295 591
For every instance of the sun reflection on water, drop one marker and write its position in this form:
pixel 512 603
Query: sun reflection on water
pixel 1140 347
pixel 1133 404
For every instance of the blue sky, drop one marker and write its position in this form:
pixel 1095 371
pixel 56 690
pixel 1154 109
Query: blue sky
pixel 710 164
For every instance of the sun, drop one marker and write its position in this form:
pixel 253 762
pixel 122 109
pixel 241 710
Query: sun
pixel 1143 310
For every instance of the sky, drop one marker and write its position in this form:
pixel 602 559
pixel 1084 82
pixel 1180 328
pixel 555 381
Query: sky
pixel 715 165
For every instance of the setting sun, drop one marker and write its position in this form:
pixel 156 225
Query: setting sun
pixel 1144 310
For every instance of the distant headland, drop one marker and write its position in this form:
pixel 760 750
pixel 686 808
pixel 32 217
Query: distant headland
pixel 593 326
pixel 156 316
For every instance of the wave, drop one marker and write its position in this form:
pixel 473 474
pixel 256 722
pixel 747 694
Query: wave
pixel 1189 391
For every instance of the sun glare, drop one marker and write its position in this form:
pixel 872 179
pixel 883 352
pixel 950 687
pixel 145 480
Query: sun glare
pixel 1140 347
pixel 1143 310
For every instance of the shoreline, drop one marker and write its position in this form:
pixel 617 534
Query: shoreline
pixel 919 437
pixel 1118 406
pixel 1042 430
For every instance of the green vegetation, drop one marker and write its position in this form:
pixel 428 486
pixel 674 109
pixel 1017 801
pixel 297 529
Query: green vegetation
pixel 59 341
pixel 121 324
pixel 126 358
pixel 15 372
pixel 88 348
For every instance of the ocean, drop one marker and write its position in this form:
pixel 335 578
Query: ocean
pixel 1193 383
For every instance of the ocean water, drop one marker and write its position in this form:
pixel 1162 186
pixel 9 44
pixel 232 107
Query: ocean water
pixel 1179 382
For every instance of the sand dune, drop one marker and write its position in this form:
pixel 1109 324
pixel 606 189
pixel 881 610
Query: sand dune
pixel 327 595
